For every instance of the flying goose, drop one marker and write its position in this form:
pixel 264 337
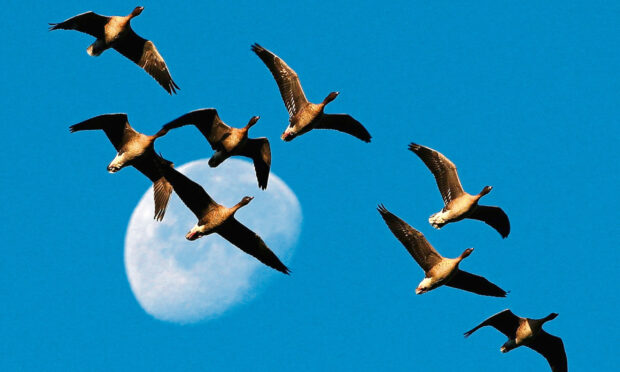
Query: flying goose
pixel 303 115
pixel 115 32
pixel 135 149
pixel 438 270
pixel 457 203
pixel 228 141
pixel 528 332
pixel 215 218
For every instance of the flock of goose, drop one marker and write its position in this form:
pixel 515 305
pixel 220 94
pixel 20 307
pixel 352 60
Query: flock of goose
pixel 137 150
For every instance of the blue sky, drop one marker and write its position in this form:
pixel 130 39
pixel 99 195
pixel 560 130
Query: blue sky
pixel 522 96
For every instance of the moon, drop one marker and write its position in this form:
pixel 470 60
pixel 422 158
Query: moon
pixel 188 281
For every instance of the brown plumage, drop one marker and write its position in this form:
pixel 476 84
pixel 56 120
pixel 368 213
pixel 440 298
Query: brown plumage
pixel 438 270
pixel 135 149
pixel 215 218
pixel 303 115
pixel 115 32
pixel 457 203
pixel 228 141
pixel 528 332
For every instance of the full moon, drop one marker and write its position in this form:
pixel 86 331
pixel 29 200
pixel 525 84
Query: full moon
pixel 187 281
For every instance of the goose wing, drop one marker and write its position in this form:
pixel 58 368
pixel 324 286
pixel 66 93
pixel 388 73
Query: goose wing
pixel 552 348
pixel 504 321
pixel 344 123
pixel 249 242
pixel 207 121
pixel 288 81
pixel 191 193
pixel 144 54
pixel 443 169
pixel 418 247
pixel 89 23
pixel 162 189
pixel 476 284
pixel 259 150
pixel 115 126
pixel 494 217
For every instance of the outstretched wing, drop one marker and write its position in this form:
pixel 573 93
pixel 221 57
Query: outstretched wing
pixel 207 121
pixel 443 169
pixel 344 123
pixel 162 189
pixel 259 150
pixel 191 193
pixel 115 126
pixel 504 321
pixel 145 55
pixel 418 247
pixel 494 217
pixel 552 348
pixel 89 23
pixel 252 244
pixel 288 81
pixel 474 283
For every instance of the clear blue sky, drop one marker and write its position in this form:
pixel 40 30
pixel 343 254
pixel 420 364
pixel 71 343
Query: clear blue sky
pixel 522 96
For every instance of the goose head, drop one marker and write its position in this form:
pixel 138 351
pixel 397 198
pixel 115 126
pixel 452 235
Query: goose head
pixel 252 121
pixel 550 317
pixel 245 201
pixel 330 97
pixel 485 190
pixel 136 11
pixel 466 253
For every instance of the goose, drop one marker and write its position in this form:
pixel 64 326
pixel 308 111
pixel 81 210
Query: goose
pixel 115 32
pixel 135 149
pixel 528 332
pixel 303 115
pixel 457 203
pixel 216 218
pixel 228 141
pixel 438 270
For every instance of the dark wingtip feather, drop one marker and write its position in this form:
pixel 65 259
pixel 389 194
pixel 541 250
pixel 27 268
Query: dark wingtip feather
pixel 414 147
pixel 256 48
pixel 159 215
pixel 506 232
pixel 497 292
pixel 383 211
pixel 74 128
pixel 172 88
pixel 283 269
